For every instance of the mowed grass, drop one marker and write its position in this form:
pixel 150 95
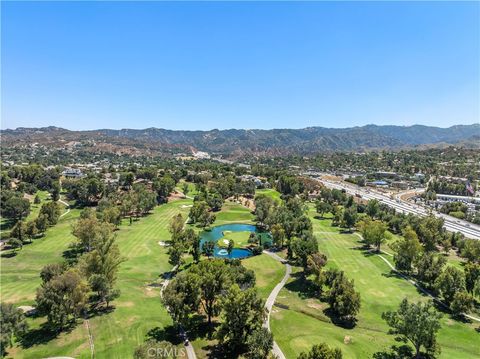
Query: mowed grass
pixel 240 239
pixel 304 323
pixel 268 272
pixel 20 274
pixel 272 193
pixel 233 213
pixel 138 309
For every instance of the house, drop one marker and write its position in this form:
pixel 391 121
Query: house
pixel 72 173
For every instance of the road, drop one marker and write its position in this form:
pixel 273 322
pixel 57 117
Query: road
pixel 277 352
pixel 452 224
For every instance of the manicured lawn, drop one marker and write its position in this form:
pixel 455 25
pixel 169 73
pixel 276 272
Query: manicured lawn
pixel 270 193
pixel 138 309
pixel 240 238
pixel 233 212
pixel 304 323
pixel 20 273
pixel 268 272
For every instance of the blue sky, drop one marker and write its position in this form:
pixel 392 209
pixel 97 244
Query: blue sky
pixel 87 65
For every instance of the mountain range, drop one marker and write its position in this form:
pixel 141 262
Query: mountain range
pixel 238 142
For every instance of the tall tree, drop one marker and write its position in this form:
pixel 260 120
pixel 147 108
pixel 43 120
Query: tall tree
pixel 449 282
pixel 259 344
pixel 407 250
pixel 374 232
pixel 214 280
pixel 12 323
pixel 242 313
pixel 63 298
pixel 417 323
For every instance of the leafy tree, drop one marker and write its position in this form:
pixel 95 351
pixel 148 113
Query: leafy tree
pixel 164 186
pixel 259 344
pixel 471 250
pixel 303 248
pixel 215 201
pixel 101 267
pixel 242 313
pixel 322 207
pixel 50 271
pixel 12 323
pixel 462 303
pixel 429 266
pixel 55 191
pixel 185 189
pixel 19 231
pixel 278 235
pixel 182 296
pixel 214 280
pixel 263 206
pixel 208 248
pixel 31 230
pixel 199 213
pixel 15 244
pixel 175 253
pixel 407 250
pixel 145 200
pixel 37 199
pixel 16 208
pixel 316 262
pixel 349 218
pixel 373 208
pixel 176 226
pixel 52 211
pixel 343 299
pixel 231 244
pixel 417 323
pixel 193 239
pixel 449 282
pixel 41 222
pixel 63 298
pixel 373 232
pixel 472 275
pixel 322 351
pixel 430 231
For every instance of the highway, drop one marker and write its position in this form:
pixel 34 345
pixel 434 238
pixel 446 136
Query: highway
pixel 452 224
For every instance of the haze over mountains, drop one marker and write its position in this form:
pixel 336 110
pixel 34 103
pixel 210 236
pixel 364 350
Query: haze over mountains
pixel 237 142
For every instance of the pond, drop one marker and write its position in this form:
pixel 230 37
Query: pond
pixel 218 232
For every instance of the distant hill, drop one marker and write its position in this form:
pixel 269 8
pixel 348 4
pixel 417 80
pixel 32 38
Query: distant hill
pixel 234 143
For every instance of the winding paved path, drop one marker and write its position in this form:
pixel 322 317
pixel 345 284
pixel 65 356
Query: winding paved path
pixel 416 284
pixel 277 352
pixel 66 205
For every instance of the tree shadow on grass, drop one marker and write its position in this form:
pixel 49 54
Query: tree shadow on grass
pixel 397 352
pixel 72 254
pixel 42 335
pixel 10 254
pixel 340 322
pixel 168 333
pixel 302 286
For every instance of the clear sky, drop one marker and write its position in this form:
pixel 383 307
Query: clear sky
pixel 87 65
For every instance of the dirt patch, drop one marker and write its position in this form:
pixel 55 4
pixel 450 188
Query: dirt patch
pixel 175 196
pixel 347 339
pixel 126 304
pixel 314 305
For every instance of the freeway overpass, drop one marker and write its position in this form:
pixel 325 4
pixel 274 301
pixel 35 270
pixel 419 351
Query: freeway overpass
pixel 452 224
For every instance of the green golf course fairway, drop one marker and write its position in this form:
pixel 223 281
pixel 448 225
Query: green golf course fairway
pixel 303 324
